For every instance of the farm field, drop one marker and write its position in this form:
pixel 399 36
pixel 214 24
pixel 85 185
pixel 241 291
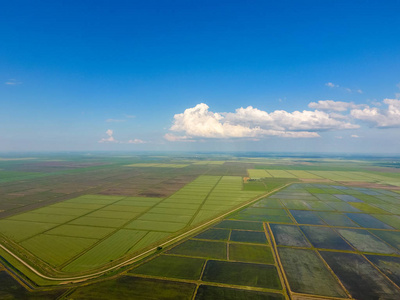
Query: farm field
pixel 285 259
pixel 316 237
pixel 91 231
pixel 341 176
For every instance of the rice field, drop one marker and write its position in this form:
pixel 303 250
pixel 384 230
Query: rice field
pixel 351 176
pixel 315 248
pixel 93 231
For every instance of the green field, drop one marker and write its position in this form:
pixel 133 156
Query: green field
pixel 92 231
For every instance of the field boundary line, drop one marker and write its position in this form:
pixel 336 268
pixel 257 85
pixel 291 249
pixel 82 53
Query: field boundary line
pixel 137 257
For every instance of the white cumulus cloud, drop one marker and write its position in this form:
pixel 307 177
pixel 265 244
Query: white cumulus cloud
pixel 136 141
pixel 331 85
pixel 109 139
pixel 200 122
pixel 332 105
pixel 381 118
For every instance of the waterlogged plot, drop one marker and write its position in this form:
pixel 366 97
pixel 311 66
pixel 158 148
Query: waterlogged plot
pixel 268 203
pixel 172 266
pixel 230 224
pixel 289 235
pixel 359 277
pixel 248 237
pixel 363 241
pixel 336 219
pixel 342 207
pixel 307 273
pixel 368 221
pixel 263 215
pixel 389 265
pixel 207 292
pixel 245 274
pixel 390 237
pixel 325 238
pixel 348 198
pixel 306 217
pixel 214 234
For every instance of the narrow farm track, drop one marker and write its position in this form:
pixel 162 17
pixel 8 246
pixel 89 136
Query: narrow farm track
pixel 137 257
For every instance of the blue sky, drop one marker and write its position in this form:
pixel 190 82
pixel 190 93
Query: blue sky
pixel 174 75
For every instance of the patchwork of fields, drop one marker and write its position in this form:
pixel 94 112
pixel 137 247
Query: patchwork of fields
pixel 306 240
pixel 88 232
pixel 328 175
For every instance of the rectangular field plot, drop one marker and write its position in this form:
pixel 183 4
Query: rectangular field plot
pixel 112 214
pixel 49 210
pixel 303 174
pixel 250 253
pixel 230 224
pixel 280 174
pixel 20 230
pixel 121 288
pixel 248 237
pixel 363 241
pixel 289 235
pixel 389 265
pixel 255 173
pixel 94 199
pixel 343 207
pixel 336 219
pixel 80 231
pixel 263 215
pixel 391 220
pixel 306 217
pixel 198 248
pixel 367 208
pixel 359 277
pixel 390 237
pixel 42 218
pixel 124 208
pixel 172 266
pixel 109 249
pixel 56 250
pixel 155 226
pixel 325 238
pixel 368 221
pixel 206 292
pixel 237 273
pixel 348 198
pixel 98 222
pixel 152 238
pixel 165 218
pixel 307 273
pixel 268 203
pixel 214 234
